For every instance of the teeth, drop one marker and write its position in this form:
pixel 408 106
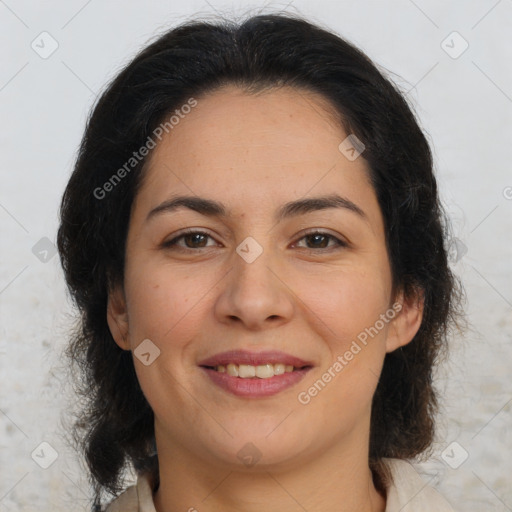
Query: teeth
pixel 247 371
pixel 264 371
pixel 232 370
pixel 279 369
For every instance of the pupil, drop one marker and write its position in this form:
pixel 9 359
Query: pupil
pixel 194 238
pixel 316 237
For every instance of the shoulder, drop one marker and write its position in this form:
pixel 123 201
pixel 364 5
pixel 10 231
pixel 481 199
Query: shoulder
pixel 409 492
pixel 136 498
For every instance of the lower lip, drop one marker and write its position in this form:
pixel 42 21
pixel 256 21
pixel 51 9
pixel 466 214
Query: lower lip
pixel 255 387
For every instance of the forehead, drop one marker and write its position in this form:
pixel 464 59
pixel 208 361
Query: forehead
pixel 281 142
pixel 278 119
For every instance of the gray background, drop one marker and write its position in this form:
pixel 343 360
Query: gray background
pixel 464 102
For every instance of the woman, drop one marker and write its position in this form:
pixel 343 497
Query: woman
pixel 253 235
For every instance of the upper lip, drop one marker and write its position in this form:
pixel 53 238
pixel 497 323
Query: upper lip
pixel 254 358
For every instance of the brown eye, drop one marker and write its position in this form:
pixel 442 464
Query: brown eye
pixel 320 240
pixel 195 238
pixel 192 239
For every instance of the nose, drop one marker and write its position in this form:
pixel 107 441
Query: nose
pixel 255 294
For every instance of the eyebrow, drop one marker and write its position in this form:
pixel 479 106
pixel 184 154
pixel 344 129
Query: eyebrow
pixel 213 208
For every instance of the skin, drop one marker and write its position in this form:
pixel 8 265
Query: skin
pixel 305 297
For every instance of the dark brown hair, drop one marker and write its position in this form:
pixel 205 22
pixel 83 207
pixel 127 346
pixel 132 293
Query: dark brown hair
pixel 115 428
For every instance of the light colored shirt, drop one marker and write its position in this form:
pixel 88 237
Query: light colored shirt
pixel 407 493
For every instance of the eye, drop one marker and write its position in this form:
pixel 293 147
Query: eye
pixel 192 238
pixel 195 239
pixel 320 240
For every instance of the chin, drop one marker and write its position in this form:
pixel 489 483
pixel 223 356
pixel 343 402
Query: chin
pixel 254 450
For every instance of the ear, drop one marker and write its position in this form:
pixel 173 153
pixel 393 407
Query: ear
pixel 117 317
pixel 406 323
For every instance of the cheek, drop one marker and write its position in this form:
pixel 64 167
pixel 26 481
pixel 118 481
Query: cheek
pixel 346 302
pixel 162 307
pixel 350 308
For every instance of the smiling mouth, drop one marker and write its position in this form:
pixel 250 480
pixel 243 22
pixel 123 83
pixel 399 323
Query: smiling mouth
pixel 247 371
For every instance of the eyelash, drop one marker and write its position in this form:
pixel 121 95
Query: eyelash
pixel 172 243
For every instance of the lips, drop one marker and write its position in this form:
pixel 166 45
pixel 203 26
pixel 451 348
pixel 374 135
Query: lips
pixel 246 357
pixel 245 387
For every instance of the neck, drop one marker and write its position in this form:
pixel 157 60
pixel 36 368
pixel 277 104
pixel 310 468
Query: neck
pixel 337 481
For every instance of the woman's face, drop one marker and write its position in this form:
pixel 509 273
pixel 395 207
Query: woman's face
pixel 253 280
